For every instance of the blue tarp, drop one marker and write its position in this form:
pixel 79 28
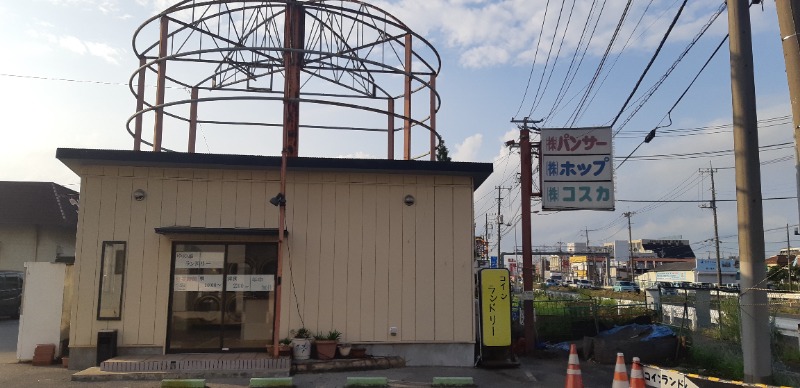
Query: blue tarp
pixel 643 332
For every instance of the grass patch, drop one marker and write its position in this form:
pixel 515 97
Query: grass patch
pixel 718 359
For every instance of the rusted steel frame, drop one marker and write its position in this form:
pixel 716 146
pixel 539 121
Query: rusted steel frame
pixel 390 129
pixel 293 36
pixel 193 121
pixel 160 87
pixel 407 101
pixel 137 136
pixel 432 131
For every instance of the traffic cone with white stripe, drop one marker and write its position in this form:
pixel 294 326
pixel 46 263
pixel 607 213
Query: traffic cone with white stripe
pixel 574 379
pixel 620 373
pixel 637 375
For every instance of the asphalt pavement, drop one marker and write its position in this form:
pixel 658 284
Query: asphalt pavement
pixel 549 371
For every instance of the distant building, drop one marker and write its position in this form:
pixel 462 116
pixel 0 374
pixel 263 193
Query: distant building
pixel 38 222
pixel 698 271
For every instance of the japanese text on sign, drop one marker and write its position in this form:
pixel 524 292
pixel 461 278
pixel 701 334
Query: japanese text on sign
pixel 495 307
pixel 199 259
pixel 577 169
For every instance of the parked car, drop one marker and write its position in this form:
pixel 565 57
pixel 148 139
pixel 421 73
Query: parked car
pixel 625 286
pixel 583 283
pixel 667 288
pixel 10 293
pixel 550 283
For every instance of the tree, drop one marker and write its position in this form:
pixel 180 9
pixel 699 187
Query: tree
pixel 442 154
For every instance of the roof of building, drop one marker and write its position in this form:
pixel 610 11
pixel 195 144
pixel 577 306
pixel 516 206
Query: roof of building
pixel 679 266
pixel 669 248
pixel 73 158
pixel 38 203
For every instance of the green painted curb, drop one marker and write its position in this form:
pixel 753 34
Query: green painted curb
pixel 367 382
pixel 453 382
pixel 185 383
pixel 260 382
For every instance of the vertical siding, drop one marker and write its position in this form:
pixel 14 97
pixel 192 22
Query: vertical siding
pixel 367 321
pixel 340 254
pixel 396 242
pixel 424 259
pixel 198 204
pixel 133 270
pixel 462 268
pixel 382 250
pixel 183 208
pixel 213 205
pixel 242 202
pixel 408 279
pixel 314 257
pixel 150 260
pixel 327 255
pixel 354 276
pixel 443 266
pixel 296 260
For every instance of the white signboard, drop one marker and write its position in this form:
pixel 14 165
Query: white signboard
pixel 186 283
pixel 199 259
pixel 655 377
pixel 262 282
pixel 577 169
pixel 237 283
pixel 710 265
pixel 209 282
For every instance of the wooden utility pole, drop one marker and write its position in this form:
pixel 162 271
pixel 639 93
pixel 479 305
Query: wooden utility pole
pixel 526 192
pixel 753 300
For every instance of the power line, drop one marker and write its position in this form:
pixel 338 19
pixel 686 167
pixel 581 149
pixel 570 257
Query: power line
pixel 533 65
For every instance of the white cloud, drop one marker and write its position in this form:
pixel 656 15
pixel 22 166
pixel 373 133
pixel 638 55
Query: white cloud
pixel 358 155
pixel 467 151
pixel 81 47
pixel 73 44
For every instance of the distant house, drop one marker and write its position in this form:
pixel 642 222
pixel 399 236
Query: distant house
pixel 38 222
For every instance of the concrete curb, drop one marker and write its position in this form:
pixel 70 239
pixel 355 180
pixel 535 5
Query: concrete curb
pixel 338 365
pixel 95 374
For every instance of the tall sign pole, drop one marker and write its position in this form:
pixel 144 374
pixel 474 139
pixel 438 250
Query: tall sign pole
pixel 753 300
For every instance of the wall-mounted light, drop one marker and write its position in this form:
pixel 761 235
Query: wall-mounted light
pixel 139 195
pixel 278 200
pixel 409 200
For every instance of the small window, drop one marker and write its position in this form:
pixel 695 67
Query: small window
pixel 112 278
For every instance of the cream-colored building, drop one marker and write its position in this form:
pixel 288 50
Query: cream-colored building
pixel 37 223
pixel 177 253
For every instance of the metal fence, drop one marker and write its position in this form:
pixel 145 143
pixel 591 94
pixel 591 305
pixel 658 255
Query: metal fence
pixel 568 319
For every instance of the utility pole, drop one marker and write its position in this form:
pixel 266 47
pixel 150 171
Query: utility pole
pixel 754 303
pixel 788 258
pixel 526 193
pixel 499 223
pixel 630 245
pixel 788 22
pixel 588 266
pixel 713 206
pixel 486 238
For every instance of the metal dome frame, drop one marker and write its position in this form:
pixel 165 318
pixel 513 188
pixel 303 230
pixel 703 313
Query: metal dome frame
pixel 342 53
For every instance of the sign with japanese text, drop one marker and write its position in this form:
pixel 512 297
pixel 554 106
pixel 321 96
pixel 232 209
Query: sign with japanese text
pixel 577 169
pixel 656 377
pixel 199 259
pixel 495 307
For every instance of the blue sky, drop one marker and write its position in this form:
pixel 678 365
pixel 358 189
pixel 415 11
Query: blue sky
pixel 487 50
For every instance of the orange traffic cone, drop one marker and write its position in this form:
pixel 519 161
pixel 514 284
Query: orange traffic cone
pixel 574 379
pixel 620 373
pixel 637 375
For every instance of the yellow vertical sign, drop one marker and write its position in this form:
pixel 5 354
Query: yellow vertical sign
pixel 495 307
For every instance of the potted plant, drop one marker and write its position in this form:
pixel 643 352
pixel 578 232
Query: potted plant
pixel 285 347
pixel 344 349
pixel 301 344
pixel 326 344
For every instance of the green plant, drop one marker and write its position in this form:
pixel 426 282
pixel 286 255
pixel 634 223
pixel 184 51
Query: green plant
pixel 301 333
pixel 285 341
pixel 332 335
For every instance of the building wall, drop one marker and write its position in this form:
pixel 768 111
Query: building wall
pixel 362 260
pixel 21 243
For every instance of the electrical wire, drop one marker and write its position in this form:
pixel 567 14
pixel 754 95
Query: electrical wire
pixel 547 60
pixel 650 64
pixel 555 61
pixel 533 65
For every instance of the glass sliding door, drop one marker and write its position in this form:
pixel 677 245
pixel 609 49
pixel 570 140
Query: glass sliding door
pixel 223 297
